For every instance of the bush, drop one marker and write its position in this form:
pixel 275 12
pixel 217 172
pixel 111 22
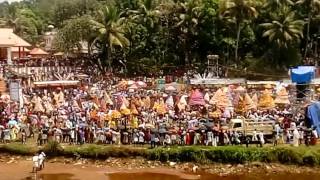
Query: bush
pixel 310 158
pixel 199 154
pixel 53 148
pixel 288 156
pixel 17 149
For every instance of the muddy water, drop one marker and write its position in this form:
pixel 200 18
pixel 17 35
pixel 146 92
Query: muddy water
pixel 158 176
pixel 154 176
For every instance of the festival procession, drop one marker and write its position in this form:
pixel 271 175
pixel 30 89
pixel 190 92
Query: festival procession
pixel 138 113
pixel 159 89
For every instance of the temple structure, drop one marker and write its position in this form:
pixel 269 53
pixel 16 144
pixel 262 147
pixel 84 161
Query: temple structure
pixel 9 42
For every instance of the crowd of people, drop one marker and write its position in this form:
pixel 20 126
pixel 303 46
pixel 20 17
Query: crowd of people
pixel 134 112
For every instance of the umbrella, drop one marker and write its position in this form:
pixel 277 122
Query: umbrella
pixel 154 130
pixel 12 122
pixel 209 124
pixel 130 82
pixel 133 86
pixel 162 131
pixel 141 84
pixel 240 89
pixel 202 128
pixel 99 131
pixel 83 125
pixel 149 126
pixel 170 88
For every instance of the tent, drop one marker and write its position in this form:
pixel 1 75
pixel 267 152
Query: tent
pixel 302 74
pixel 37 52
pixel 313 115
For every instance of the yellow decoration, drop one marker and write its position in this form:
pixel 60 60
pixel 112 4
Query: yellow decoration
pixel 216 114
pixel 161 109
pixel 282 97
pixel 115 114
pixel 255 100
pixel 147 102
pixel 241 106
pixel 266 101
pixel 124 110
pixel 249 104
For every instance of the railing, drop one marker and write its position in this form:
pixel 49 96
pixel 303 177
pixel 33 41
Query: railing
pixel 30 70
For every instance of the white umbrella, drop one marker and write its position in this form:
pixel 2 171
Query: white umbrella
pixel 130 82
pixel 141 84
pixel 170 88
pixel 133 86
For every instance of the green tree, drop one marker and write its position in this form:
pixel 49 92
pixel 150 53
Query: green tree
pixel 313 8
pixel 284 30
pixel 73 33
pixel 239 12
pixel 110 30
pixel 275 4
pixel 284 33
pixel 189 13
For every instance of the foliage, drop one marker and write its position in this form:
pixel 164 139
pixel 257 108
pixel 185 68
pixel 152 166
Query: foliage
pixel 144 35
pixel 200 154
pixel 73 33
pixel 109 29
pixel 53 148
pixel 18 149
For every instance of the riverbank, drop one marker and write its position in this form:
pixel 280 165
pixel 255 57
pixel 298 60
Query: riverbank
pixel 19 167
pixel 301 156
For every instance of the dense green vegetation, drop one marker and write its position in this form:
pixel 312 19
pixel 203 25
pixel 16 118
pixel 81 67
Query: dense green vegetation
pixel 149 34
pixel 199 154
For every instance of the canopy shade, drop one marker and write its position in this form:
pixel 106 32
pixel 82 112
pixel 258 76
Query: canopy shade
pixel 38 51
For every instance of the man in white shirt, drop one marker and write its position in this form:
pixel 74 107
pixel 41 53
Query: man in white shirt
pixel 41 158
pixel 35 161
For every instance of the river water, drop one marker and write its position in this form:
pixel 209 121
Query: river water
pixel 158 176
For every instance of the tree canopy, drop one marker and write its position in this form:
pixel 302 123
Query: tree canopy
pixel 149 34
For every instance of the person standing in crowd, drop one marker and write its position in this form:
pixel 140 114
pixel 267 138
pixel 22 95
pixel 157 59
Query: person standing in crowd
pixel 23 136
pixel 261 138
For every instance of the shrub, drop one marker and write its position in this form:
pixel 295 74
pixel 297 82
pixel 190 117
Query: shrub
pixel 18 149
pixel 288 156
pixel 53 148
pixel 310 158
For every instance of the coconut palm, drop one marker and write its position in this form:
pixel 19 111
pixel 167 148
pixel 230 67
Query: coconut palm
pixel 146 13
pixel 274 4
pixel 238 11
pixel 284 29
pixel 313 6
pixel 189 13
pixel 110 30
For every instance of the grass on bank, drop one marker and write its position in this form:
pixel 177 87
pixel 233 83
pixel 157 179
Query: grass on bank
pixel 199 154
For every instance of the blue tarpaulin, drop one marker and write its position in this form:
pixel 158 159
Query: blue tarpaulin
pixel 314 115
pixel 302 74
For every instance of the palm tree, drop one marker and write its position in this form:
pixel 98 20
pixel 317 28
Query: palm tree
pixel 110 30
pixel 189 13
pixel 284 29
pixel 275 4
pixel 313 6
pixel 146 14
pixel 238 11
